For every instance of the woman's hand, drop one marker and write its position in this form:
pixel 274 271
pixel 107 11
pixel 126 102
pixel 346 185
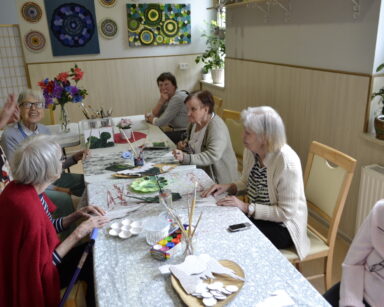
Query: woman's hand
pixel 10 112
pixel 233 201
pixel 87 226
pixel 85 212
pixel 80 155
pixel 216 189
pixel 149 118
pixel 182 145
pixel 89 211
pixel 81 231
pixel 178 154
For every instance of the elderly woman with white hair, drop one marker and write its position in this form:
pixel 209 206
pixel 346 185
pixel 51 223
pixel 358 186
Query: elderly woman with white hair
pixel 31 104
pixel 34 264
pixel 272 179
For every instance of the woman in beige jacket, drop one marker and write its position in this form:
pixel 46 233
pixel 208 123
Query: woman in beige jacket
pixel 208 144
pixel 272 179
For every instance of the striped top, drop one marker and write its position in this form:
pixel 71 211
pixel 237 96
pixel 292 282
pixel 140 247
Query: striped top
pixel 57 223
pixel 257 188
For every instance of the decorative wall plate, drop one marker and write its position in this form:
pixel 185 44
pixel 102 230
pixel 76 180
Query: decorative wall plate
pixel 35 41
pixel 31 11
pixel 107 3
pixel 108 28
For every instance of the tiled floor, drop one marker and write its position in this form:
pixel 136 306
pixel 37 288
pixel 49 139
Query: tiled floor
pixel 308 268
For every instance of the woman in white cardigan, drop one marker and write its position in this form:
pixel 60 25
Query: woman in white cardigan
pixel 362 281
pixel 272 179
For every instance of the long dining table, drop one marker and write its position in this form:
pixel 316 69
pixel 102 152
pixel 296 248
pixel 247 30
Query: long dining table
pixel 96 163
pixel 127 275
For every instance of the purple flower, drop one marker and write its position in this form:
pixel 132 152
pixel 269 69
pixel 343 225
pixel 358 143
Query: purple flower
pixel 77 98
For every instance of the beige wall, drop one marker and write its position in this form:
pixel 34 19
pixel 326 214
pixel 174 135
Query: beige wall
pixel 316 105
pixel 126 85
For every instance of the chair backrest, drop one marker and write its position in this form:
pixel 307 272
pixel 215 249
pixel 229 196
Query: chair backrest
pixel 218 105
pixel 235 128
pixel 327 178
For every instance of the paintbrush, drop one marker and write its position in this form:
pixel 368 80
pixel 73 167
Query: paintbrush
pixel 130 144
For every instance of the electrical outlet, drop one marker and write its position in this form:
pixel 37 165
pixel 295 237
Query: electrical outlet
pixel 183 66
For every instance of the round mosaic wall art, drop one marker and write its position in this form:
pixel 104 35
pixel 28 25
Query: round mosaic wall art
pixel 31 12
pixel 147 37
pixel 108 28
pixel 107 3
pixel 73 25
pixel 35 41
pixel 152 15
pixel 170 28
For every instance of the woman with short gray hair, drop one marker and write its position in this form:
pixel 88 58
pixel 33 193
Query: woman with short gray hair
pixel 272 178
pixel 34 264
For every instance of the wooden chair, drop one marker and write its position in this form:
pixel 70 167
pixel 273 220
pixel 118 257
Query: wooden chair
pixel 218 105
pixel 327 179
pixel 235 128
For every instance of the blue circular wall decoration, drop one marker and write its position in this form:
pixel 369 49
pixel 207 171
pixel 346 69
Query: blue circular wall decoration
pixel 73 25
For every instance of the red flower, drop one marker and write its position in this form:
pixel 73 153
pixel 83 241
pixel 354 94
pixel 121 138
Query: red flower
pixel 77 74
pixel 42 84
pixel 63 76
pixel 50 86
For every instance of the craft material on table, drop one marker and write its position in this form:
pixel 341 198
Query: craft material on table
pixel 136 135
pixel 125 229
pixel 154 199
pixel 148 184
pixel 226 279
pixel 279 298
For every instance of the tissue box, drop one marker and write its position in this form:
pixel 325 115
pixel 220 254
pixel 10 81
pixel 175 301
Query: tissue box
pixel 168 246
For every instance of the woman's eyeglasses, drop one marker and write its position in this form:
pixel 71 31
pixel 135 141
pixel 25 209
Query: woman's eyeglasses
pixel 28 105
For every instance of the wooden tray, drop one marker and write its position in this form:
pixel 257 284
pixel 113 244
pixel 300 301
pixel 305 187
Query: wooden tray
pixel 193 301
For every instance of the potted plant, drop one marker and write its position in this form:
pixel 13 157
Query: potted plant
pixel 205 74
pixel 379 118
pixel 125 125
pixel 213 56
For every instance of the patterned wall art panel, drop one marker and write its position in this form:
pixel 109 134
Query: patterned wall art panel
pixel 31 12
pixel 72 27
pixel 153 24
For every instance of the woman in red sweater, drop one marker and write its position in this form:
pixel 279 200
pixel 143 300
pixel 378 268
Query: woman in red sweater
pixel 31 253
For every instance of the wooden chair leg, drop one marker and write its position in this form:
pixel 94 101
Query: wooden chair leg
pixel 328 272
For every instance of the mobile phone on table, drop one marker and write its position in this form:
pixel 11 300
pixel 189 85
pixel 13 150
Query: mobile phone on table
pixel 238 227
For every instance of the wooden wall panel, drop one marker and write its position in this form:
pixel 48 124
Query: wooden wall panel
pixel 126 85
pixel 315 105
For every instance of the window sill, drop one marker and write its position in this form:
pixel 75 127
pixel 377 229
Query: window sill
pixel 372 138
pixel 210 83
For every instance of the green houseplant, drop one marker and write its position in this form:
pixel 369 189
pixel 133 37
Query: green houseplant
pixel 213 57
pixel 379 118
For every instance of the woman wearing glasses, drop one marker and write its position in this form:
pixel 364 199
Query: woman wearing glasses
pixel 31 105
pixel 362 281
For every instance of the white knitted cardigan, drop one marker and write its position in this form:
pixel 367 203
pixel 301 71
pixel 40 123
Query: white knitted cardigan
pixel 286 193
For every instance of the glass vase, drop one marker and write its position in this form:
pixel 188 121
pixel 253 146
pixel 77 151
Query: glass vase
pixel 64 119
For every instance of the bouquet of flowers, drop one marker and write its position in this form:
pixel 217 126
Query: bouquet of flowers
pixel 60 90
pixel 125 123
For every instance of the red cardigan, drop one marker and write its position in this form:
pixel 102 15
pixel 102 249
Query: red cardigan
pixel 28 276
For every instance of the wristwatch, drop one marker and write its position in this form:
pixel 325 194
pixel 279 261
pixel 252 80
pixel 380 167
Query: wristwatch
pixel 251 210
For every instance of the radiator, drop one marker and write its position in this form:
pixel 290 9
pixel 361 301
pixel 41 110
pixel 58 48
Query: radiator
pixel 370 191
